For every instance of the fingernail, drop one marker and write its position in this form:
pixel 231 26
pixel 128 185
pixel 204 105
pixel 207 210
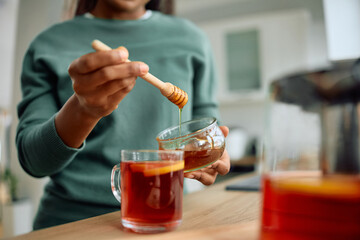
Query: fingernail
pixel 123 55
pixel 190 176
pixel 144 68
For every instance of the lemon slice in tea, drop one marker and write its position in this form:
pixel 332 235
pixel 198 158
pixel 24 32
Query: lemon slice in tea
pixel 157 168
pixel 163 170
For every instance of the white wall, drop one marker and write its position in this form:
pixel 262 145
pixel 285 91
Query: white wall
pixel 281 52
pixel 343 28
pixel 8 21
pixel 283 41
pixel 33 17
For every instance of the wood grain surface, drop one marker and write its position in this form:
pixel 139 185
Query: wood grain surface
pixel 212 213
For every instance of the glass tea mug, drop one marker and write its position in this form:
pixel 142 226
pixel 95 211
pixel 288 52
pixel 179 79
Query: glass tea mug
pixel 311 157
pixel 149 186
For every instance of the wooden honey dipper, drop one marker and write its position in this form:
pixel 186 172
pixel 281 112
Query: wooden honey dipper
pixel 172 92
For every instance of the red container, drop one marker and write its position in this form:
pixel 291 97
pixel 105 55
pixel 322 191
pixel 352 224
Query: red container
pixel 310 207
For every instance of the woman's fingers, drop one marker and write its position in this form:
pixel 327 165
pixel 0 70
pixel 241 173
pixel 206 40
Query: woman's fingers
pixel 119 95
pixel 206 176
pixel 96 60
pixel 102 94
pixel 225 130
pixel 222 166
pixel 125 70
pixel 116 85
pixel 104 75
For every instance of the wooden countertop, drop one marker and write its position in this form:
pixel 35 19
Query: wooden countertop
pixel 212 213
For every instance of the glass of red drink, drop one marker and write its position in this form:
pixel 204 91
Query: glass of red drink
pixel 310 206
pixel 149 186
pixel 311 160
pixel 201 140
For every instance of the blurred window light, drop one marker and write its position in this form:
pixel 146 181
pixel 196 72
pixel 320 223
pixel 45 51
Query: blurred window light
pixel 342 20
pixel 243 60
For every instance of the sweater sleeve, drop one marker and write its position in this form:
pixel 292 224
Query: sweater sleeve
pixel 41 151
pixel 204 85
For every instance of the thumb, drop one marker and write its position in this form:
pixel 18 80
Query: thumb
pixel 225 130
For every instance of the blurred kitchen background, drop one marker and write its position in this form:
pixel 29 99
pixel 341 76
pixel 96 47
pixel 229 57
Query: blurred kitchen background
pixel 254 42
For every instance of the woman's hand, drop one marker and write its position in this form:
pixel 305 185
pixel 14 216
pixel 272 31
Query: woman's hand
pixel 102 79
pixel 208 175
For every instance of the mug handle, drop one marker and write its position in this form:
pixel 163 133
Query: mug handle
pixel 115 182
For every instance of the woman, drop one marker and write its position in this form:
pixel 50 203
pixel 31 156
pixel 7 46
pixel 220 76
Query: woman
pixel 76 115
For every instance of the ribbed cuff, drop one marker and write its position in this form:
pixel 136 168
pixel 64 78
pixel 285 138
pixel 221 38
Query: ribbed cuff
pixel 48 154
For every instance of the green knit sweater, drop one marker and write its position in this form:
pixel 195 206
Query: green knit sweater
pixel 79 187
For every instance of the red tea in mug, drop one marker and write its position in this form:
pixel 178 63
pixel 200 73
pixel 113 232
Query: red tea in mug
pixel 151 192
pixel 310 207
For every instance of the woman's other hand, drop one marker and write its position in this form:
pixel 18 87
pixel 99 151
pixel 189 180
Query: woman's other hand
pixel 208 175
